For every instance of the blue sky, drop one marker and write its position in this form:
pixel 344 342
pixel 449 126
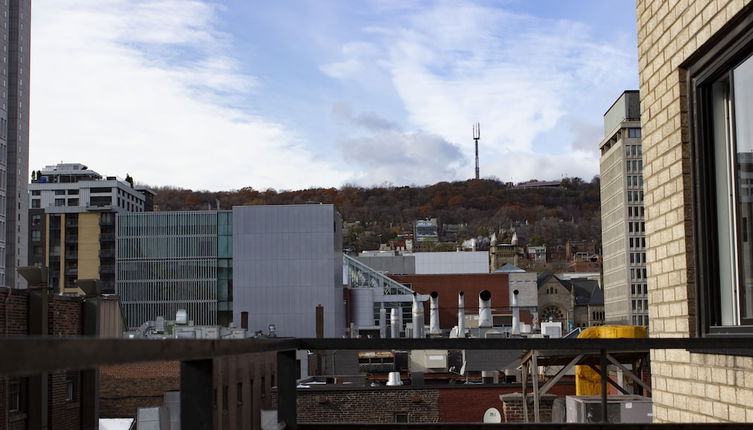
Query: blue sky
pixel 217 95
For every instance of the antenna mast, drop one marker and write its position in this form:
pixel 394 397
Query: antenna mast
pixel 476 137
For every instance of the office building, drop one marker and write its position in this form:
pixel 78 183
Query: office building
pixel 696 68
pixel 168 261
pixel 14 139
pixel 288 259
pixel 72 223
pixel 622 214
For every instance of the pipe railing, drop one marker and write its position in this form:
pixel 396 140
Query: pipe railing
pixel 24 356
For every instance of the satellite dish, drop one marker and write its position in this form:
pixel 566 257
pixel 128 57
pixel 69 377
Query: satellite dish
pixel 492 415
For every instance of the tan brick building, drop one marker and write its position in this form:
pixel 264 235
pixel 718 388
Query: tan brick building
pixel 696 110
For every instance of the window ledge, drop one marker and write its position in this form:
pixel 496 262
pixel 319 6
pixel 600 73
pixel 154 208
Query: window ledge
pixel 16 416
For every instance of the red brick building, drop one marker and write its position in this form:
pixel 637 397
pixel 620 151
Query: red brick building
pixel 448 287
pixel 125 388
pixel 20 314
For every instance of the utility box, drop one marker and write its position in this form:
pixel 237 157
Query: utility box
pixel 552 329
pixel 428 360
pixel 622 409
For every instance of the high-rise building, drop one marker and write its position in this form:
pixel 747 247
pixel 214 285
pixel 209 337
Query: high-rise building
pixel 72 223
pixel 14 138
pixel 175 260
pixel 622 214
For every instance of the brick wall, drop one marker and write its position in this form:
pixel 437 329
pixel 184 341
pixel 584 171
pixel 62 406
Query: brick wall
pixel 378 405
pixel 513 411
pixel 459 404
pixel 687 386
pixel 64 319
pixel 462 405
pixel 64 316
pixel 125 388
pixel 449 285
pixel 14 312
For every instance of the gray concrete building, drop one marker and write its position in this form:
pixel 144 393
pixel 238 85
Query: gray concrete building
pixel 14 138
pixel 168 261
pixel 288 259
pixel 623 214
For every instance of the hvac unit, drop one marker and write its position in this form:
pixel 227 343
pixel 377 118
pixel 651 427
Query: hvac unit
pixel 620 409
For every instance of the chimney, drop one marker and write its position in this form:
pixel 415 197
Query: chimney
pixel 434 315
pixel 461 314
pixel 382 322
pixel 418 318
pixel 485 309
pixel 395 323
pixel 244 320
pixel 515 313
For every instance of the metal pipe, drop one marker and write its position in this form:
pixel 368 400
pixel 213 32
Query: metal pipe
pixel 515 313
pixel 418 318
pixel 395 323
pixel 382 323
pixel 485 309
pixel 461 314
pixel 434 316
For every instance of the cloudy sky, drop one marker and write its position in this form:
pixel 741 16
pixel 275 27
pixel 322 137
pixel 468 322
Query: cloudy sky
pixel 220 95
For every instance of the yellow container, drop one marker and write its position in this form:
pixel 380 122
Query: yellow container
pixel 587 381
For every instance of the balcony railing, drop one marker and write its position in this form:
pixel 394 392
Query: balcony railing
pixel 33 356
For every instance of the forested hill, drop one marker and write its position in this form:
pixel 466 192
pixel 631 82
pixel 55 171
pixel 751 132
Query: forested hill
pixel 548 216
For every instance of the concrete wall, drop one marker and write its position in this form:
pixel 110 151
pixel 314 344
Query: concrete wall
pixel 391 264
pixel 437 263
pixel 287 259
pixel 686 386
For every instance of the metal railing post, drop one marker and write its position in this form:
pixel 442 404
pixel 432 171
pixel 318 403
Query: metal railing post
pixel 604 376
pixel 286 386
pixel 196 388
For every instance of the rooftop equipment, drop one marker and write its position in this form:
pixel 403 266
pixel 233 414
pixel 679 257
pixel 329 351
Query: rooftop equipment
pixel 434 315
pixel 395 323
pixel 515 313
pixel 418 318
pixel 181 316
pixel 485 309
pixel 461 314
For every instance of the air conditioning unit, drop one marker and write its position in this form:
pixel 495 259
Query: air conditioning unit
pixel 552 329
pixel 622 409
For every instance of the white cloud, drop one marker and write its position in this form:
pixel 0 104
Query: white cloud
pixel 521 77
pixel 144 87
pixel 387 154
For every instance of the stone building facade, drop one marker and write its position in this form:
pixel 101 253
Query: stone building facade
pixel 695 198
pixel 577 302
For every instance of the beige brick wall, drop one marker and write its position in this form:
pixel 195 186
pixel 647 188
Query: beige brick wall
pixel 687 387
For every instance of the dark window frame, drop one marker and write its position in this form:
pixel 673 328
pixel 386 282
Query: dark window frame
pixel 728 48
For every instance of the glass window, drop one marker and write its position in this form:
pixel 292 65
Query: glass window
pixel 59 202
pixel 634 132
pixel 36 203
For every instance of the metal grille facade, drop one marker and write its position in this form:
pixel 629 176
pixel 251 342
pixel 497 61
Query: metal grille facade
pixel 174 260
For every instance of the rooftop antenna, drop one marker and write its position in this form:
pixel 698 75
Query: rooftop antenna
pixel 476 137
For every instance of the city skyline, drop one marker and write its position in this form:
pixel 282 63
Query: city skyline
pixel 308 96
